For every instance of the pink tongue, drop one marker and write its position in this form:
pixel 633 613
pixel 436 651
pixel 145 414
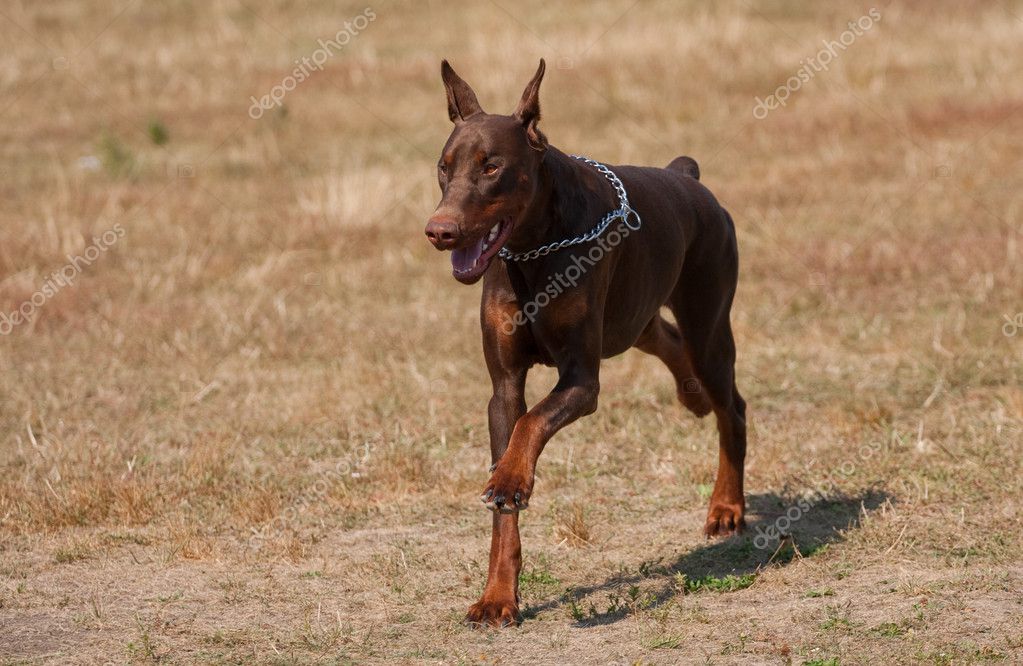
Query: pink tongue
pixel 462 260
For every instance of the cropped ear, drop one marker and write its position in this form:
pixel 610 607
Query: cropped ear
pixel 528 110
pixel 462 102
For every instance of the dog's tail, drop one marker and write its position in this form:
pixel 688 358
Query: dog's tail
pixel 687 166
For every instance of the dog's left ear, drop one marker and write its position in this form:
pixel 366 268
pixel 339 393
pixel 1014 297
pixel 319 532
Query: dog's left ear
pixel 528 110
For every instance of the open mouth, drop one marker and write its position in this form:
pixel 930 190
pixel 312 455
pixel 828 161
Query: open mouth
pixel 470 263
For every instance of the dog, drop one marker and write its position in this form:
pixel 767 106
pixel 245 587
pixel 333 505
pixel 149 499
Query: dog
pixel 577 259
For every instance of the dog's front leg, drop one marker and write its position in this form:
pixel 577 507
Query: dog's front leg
pixel 574 396
pixel 512 482
pixel 499 605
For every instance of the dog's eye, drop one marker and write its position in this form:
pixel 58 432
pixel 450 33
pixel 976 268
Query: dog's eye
pixel 490 169
pixel 443 169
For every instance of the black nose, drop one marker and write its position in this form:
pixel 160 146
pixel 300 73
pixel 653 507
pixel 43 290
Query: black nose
pixel 442 231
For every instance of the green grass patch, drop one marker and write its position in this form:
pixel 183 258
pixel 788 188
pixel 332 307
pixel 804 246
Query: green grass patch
pixel 729 583
pixel 157 132
pixel 538 582
pixel 667 642
pixel 835 623
pixel 889 630
pixel 116 157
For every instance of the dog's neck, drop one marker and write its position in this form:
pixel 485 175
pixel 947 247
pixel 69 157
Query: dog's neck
pixel 571 198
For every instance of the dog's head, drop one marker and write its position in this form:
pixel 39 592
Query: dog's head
pixel 488 174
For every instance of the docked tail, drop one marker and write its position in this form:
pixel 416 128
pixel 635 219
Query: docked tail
pixel 687 166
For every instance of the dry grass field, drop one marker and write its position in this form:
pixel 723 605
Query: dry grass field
pixel 244 419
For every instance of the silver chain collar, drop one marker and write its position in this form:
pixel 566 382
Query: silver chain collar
pixel 624 212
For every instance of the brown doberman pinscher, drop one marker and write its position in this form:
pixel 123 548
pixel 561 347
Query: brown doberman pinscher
pixel 587 256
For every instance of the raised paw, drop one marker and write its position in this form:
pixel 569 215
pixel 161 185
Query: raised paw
pixel 724 519
pixel 495 613
pixel 508 490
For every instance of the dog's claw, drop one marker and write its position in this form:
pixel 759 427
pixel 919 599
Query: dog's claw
pixel 507 492
pixel 724 519
pixel 496 614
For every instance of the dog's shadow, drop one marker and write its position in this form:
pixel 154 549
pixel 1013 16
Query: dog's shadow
pixel 780 529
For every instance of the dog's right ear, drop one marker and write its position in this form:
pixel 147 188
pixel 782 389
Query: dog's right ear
pixel 528 110
pixel 462 102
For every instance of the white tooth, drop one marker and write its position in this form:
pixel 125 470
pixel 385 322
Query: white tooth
pixel 494 231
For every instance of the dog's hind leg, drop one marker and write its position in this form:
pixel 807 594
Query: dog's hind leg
pixel 701 304
pixel 662 339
